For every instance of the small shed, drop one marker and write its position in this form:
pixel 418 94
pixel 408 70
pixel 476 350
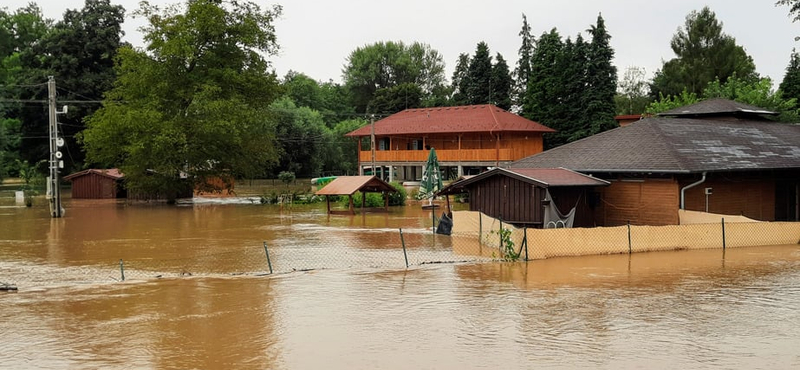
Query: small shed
pixel 97 184
pixel 522 196
pixel 349 185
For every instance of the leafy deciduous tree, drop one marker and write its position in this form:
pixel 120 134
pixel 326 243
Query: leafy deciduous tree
pixel 195 103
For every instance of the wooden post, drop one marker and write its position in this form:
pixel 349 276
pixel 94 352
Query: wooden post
pixel 328 200
pixel 386 201
pixel 352 206
pixel 363 200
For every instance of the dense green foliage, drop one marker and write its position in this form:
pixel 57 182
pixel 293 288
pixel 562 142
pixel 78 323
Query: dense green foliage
pixel 703 54
pixel 300 133
pixel 195 103
pixel 572 85
pixel 502 84
pixel 375 200
pixel 758 93
pixel 790 86
pixel 477 80
pixel 19 31
pixel 385 65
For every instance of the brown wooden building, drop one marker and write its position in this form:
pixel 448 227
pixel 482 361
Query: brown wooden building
pixel 717 156
pixel 520 196
pixel 97 184
pixel 468 140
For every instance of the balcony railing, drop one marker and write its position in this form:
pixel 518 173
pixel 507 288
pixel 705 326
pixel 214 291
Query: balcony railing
pixel 463 155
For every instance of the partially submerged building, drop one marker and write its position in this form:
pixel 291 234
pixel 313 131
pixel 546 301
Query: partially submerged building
pixel 716 156
pixel 468 140
pixel 97 184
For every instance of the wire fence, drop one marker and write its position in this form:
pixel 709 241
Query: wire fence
pixel 476 238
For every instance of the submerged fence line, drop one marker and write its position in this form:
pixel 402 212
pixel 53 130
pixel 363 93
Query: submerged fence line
pixel 474 238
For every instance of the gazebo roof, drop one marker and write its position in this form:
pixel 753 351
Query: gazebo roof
pixel 348 185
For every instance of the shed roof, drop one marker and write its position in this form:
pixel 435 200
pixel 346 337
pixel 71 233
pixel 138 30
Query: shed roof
pixel 678 145
pixel 542 177
pixel 348 185
pixel 112 173
pixel 469 118
pixel 717 107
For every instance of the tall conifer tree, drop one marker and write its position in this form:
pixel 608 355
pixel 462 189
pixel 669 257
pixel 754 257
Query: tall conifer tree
pixel 479 89
pixel 501 83
pixel 523 70
pixel 601 79
pixel 790 86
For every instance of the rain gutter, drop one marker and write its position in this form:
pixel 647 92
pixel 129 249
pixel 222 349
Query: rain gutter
pixel 683 190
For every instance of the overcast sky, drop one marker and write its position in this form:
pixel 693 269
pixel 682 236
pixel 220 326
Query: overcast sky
pixel 316 36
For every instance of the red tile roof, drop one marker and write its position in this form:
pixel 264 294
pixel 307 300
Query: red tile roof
pixel 469 118
pixel 558 177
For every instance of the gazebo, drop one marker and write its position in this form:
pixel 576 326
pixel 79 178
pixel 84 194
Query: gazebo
pixel 349 185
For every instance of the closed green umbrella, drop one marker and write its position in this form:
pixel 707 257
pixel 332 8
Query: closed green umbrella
pixel 431 177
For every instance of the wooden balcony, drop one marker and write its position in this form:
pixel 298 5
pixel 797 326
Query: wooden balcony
pixel 452 156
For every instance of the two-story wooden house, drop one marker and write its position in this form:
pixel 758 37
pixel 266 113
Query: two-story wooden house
pixel 467 139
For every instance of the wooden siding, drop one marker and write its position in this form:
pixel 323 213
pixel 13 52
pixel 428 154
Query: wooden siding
pixel 94 186
pixel 749 197
pixel 509 199
pixel 473 148
pixel 640 202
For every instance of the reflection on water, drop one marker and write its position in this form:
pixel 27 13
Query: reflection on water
pixel 688 309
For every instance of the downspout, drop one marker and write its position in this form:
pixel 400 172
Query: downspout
pixel 683 190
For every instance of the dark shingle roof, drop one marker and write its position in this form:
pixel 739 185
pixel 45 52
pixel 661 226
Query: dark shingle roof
pixel 469 118
pixel 678 145
pixel 717 107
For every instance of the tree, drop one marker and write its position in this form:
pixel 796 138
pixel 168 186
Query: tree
pixel 794 9
pixel 396 98
pixel 790 86
pixel 479 87
pixel 341 154
pixel 703 53
pixel 601 83
pixel 19 32
pixel 194 104
pixel 523 71
pixel 79 51
pixel 501 83
pixel 387 64
pixel 301 134
pixel 632 91
pixel 460 80
pixel 758 93
pixel 543 102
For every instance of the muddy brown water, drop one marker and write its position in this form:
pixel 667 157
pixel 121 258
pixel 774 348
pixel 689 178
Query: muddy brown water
pixel 687 309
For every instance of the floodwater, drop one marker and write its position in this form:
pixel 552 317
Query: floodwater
pixel 213 307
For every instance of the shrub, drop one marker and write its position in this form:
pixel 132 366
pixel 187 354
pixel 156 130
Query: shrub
pixel 398 198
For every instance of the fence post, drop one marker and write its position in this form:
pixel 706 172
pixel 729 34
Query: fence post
pixel 723 233
pixel 480 228
pixel 403 241
pixel 500 234
pixel 122 269
pixel 269 262
pixel 525 241
pixel 630 248
pixel 433 220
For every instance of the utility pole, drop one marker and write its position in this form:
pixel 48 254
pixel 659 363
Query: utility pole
pixel 372 142
pixel 56 210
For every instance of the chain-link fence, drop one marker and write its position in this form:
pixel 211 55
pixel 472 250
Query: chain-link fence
pixel 475 238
